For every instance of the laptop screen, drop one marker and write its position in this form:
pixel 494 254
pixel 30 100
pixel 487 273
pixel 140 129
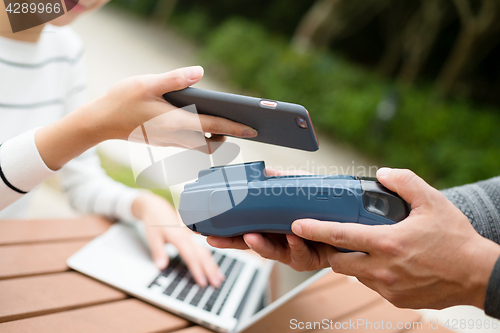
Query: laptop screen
pixel 283 280
pixel 284 285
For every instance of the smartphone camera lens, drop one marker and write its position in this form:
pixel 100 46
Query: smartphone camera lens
pixel 301 122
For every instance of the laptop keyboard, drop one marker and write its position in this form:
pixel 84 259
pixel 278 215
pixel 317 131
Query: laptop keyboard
pixel 176 281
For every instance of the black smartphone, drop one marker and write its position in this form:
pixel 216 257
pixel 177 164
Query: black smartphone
pixel 278 123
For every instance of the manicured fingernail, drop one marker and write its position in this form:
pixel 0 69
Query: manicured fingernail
pixel 221 275
pixel 249 133
pixel 195 72
pixel 383 172
pixel 161 263
pixel 203 282
pixel 297 228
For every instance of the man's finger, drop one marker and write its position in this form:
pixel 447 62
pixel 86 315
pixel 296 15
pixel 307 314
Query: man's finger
pixel 352 236
pixel 354 263
pixel 302 256
pixel 265 247
pixel 272 172
pixel 236 242
pixel 407 184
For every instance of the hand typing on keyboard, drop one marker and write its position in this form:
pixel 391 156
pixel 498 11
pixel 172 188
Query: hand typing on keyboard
pixel 177 281
pixel 157 214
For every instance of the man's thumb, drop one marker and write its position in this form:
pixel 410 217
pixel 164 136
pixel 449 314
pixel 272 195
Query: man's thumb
pixel 407 184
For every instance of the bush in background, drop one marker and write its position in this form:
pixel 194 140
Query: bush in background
pixel 448 142
pixel 124 175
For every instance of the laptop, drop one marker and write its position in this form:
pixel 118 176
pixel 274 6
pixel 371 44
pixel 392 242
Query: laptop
pixel 120 257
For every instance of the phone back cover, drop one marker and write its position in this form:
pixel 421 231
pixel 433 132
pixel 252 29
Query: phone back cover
pixel 276 126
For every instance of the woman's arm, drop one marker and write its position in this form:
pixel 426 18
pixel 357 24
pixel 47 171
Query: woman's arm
pixel 31 158
pixel 126 106
pixel 91 191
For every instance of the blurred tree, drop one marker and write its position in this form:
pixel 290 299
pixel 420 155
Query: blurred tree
pixel 479 21
pixel 394 22
pixel 420 35
pixel 328 20
pixel 410 32
pixel 163 10
pixel 454 43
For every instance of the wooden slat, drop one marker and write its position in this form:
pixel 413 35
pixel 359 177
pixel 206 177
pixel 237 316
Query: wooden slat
pixel 30 231
pixel 37 295
pixel 126 316
pixel 335 302
pixel 382 316
pixel 325 282
pixel 194 329
pixel 33 259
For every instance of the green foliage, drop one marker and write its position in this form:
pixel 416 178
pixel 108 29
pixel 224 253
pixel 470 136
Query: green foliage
pixel 194 24
pixel 361 32
pixel 446 142
pixel 280 16
pixel 139 7
pixel 125 176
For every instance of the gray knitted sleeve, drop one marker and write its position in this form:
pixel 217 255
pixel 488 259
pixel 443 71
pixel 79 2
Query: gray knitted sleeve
pixel 480 202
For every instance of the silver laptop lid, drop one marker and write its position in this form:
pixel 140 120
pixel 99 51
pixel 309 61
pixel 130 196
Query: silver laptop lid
pixel 287 285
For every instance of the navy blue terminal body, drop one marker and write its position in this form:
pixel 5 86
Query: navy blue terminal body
pixel 237 199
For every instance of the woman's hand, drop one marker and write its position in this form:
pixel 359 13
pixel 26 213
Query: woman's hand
pixel 127 106
pixel 162 225
pixel 139 100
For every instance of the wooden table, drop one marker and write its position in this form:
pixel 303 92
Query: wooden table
pixel 39 293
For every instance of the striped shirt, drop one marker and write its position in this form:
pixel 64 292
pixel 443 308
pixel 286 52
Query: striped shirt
pixel 39 84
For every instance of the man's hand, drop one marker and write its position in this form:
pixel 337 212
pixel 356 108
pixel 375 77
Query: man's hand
pixel 162 225
pixel 432 259
pixel 288 249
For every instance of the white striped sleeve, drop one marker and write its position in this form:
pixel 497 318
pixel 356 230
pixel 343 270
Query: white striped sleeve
pixel 21 168
pixel 88 187
pixel 91 191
